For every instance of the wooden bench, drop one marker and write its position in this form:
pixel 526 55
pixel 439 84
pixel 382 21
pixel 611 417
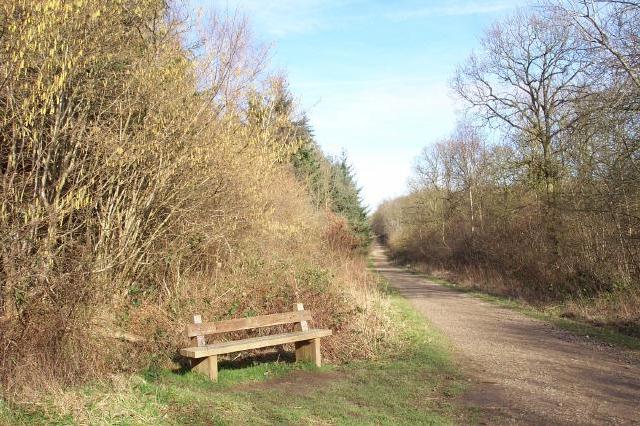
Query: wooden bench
pixel 204 357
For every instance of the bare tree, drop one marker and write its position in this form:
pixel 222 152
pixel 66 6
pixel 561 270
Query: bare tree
pixel 610 26
pixel 528 75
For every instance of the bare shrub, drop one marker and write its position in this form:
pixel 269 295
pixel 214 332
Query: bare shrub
pixel 143 181
pixel 549 211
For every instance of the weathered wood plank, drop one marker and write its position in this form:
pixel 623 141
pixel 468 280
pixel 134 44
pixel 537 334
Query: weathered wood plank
pixel 198 339
pixel 253 343
pixel 303 325
pixel 207 366
pixel 247 323
pixel 309 350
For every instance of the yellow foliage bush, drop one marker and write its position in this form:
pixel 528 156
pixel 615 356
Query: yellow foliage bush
pixel 141 182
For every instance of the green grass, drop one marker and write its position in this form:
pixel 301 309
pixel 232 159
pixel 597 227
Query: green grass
pixel 601 334
pixel 414 385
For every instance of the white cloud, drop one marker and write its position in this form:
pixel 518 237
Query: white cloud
pixel 455 8
pixel 280 18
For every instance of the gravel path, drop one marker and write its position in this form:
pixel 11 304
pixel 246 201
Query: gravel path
pixel 525 371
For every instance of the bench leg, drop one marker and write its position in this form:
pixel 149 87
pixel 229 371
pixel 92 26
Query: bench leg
pixel 207 366
pixel 309 350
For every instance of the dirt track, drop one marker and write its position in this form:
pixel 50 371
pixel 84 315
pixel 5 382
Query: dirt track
pixel 525 371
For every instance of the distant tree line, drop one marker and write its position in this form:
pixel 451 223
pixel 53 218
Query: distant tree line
pixel 331 182
pixel 536 193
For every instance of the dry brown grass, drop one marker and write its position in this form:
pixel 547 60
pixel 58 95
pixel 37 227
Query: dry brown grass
pixel 619 309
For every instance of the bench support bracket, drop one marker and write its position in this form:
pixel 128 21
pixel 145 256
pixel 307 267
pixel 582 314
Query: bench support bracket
pixel 309 350
pixel 207 366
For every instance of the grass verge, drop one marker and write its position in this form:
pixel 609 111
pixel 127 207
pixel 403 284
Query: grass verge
pixel 413 385
pixel 551 314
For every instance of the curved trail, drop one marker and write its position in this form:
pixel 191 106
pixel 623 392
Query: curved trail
pixel 524 371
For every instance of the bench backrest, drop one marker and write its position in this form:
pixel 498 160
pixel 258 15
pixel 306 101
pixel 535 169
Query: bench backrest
pixel 199 329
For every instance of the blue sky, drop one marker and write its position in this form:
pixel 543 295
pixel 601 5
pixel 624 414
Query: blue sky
pixel 372 75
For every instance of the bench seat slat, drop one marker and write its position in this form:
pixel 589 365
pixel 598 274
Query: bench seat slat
pixel 247 323
pixel 252 343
